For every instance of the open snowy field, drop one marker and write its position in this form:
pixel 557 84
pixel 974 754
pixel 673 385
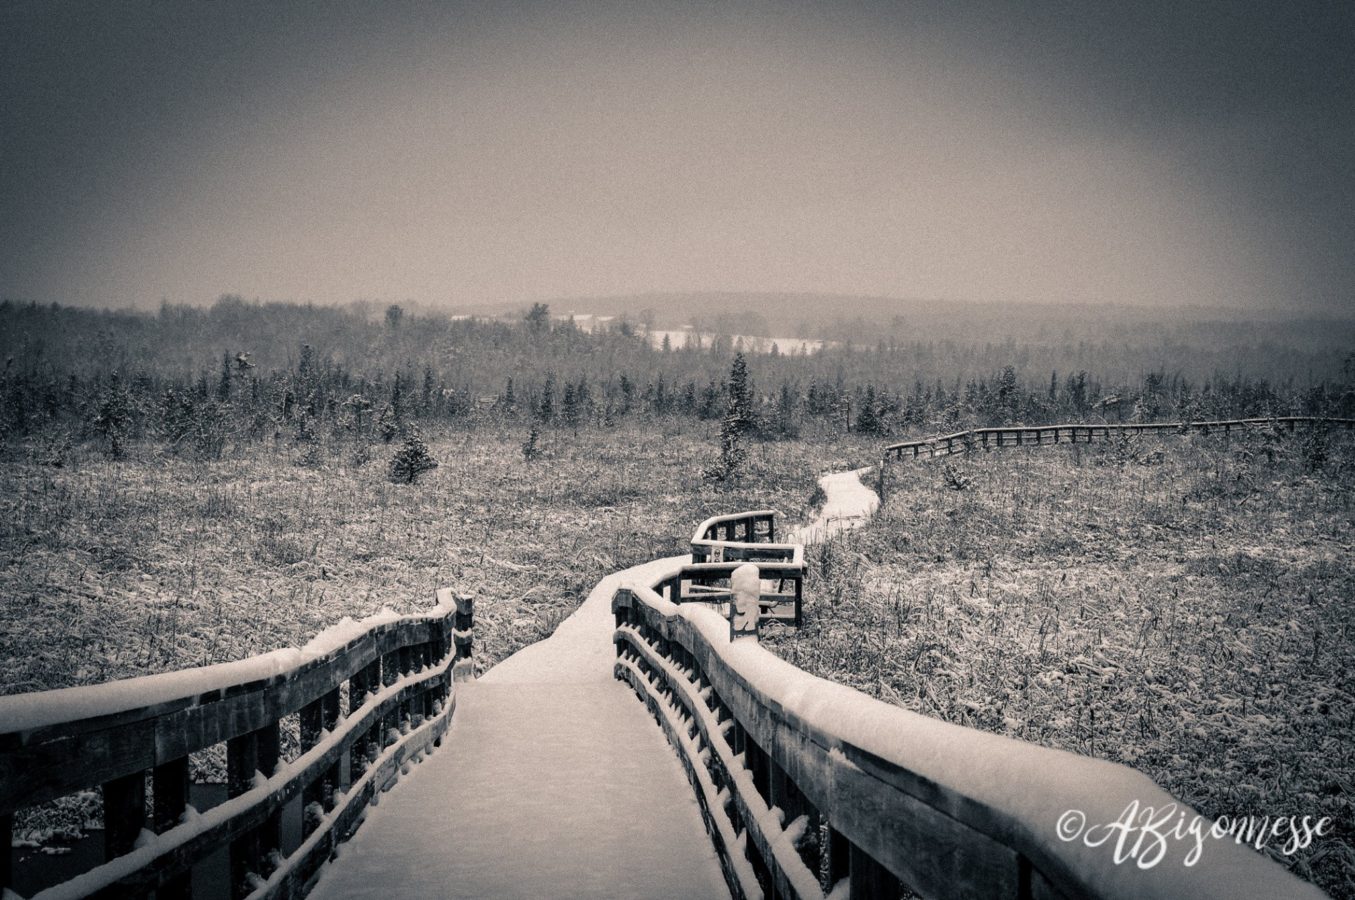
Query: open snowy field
pixel 1181 605
pixel 113 568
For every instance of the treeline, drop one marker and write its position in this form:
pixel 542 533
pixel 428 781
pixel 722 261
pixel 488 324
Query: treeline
pixel 202 379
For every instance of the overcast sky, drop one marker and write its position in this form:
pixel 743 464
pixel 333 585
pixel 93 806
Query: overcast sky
pixel 1146 152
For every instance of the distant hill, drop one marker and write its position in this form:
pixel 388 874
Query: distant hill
pixel 867 320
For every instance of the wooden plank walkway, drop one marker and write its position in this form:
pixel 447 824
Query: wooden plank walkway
pixel 551 782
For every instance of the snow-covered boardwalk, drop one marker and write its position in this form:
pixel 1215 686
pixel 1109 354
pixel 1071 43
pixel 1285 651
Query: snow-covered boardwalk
pixel 552 781
pixel 848 503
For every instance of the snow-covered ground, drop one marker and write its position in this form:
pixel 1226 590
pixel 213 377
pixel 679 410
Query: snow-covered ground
pixel 553 781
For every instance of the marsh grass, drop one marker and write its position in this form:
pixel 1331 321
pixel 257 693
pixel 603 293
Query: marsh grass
pixel 1181 605
pixel 152 562
pixel 113 568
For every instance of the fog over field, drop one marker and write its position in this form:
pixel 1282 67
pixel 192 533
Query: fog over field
pixel 1154 154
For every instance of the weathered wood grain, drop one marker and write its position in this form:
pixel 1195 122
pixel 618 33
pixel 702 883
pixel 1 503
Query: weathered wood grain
pixel 116 751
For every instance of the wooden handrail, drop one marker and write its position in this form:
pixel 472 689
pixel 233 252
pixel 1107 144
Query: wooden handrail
pixel 708 582
pixel 398 672
pixel 721 544
pixel 1020 435
pixel 805 784
pixel 741 527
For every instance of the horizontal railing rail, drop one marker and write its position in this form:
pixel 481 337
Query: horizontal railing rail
pixel 719 535
pixel 368 697
pixel 782 596
pixel 811 789
pixel 1036 435
pixel 731 551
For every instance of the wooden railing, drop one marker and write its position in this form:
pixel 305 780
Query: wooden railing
pixel 810 788
pixel 755 526
pixel 721 544
pixel 367 701
pixel 1017 436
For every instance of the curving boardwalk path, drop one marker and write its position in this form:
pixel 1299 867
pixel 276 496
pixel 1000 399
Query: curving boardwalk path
pixel 553 781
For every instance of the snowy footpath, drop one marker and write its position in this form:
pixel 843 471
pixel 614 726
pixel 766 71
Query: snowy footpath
pixel 553 780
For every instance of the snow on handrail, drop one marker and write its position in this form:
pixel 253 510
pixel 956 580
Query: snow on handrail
pixel 832 788
pixel 962 441
pixel 733 523
pixel 747 537
pixel 399 671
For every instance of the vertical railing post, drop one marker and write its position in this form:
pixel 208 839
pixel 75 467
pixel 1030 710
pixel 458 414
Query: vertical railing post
pixel 242 761
pixel 390 721
pixel 374 682
pixel 312 718
pixel 124 801
pixel 405 717
pixel 169 785
pixel 267 750
pixel 745 606
pixel 835 862
pixel 869 879
pixel 329 721
pixel 783 793
pixel 464 637
pixel 6 858
pixel 357 696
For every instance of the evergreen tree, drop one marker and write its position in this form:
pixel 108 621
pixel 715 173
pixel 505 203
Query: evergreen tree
pixel 429 392
pixel 729 466
pixel 113 417
pixel 411 460
pixel 785 413
pixel 740 411
pixel 397 402
pixel 223 386
pixel 546 409
pixel 868 416
pixel 569 407
pixel 530 450
pixel 538 318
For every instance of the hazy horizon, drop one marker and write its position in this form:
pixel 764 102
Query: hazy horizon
pixel 1163 155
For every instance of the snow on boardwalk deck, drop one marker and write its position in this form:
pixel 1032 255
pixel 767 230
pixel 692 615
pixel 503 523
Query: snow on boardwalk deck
pixel 552 781
pixel 849 503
